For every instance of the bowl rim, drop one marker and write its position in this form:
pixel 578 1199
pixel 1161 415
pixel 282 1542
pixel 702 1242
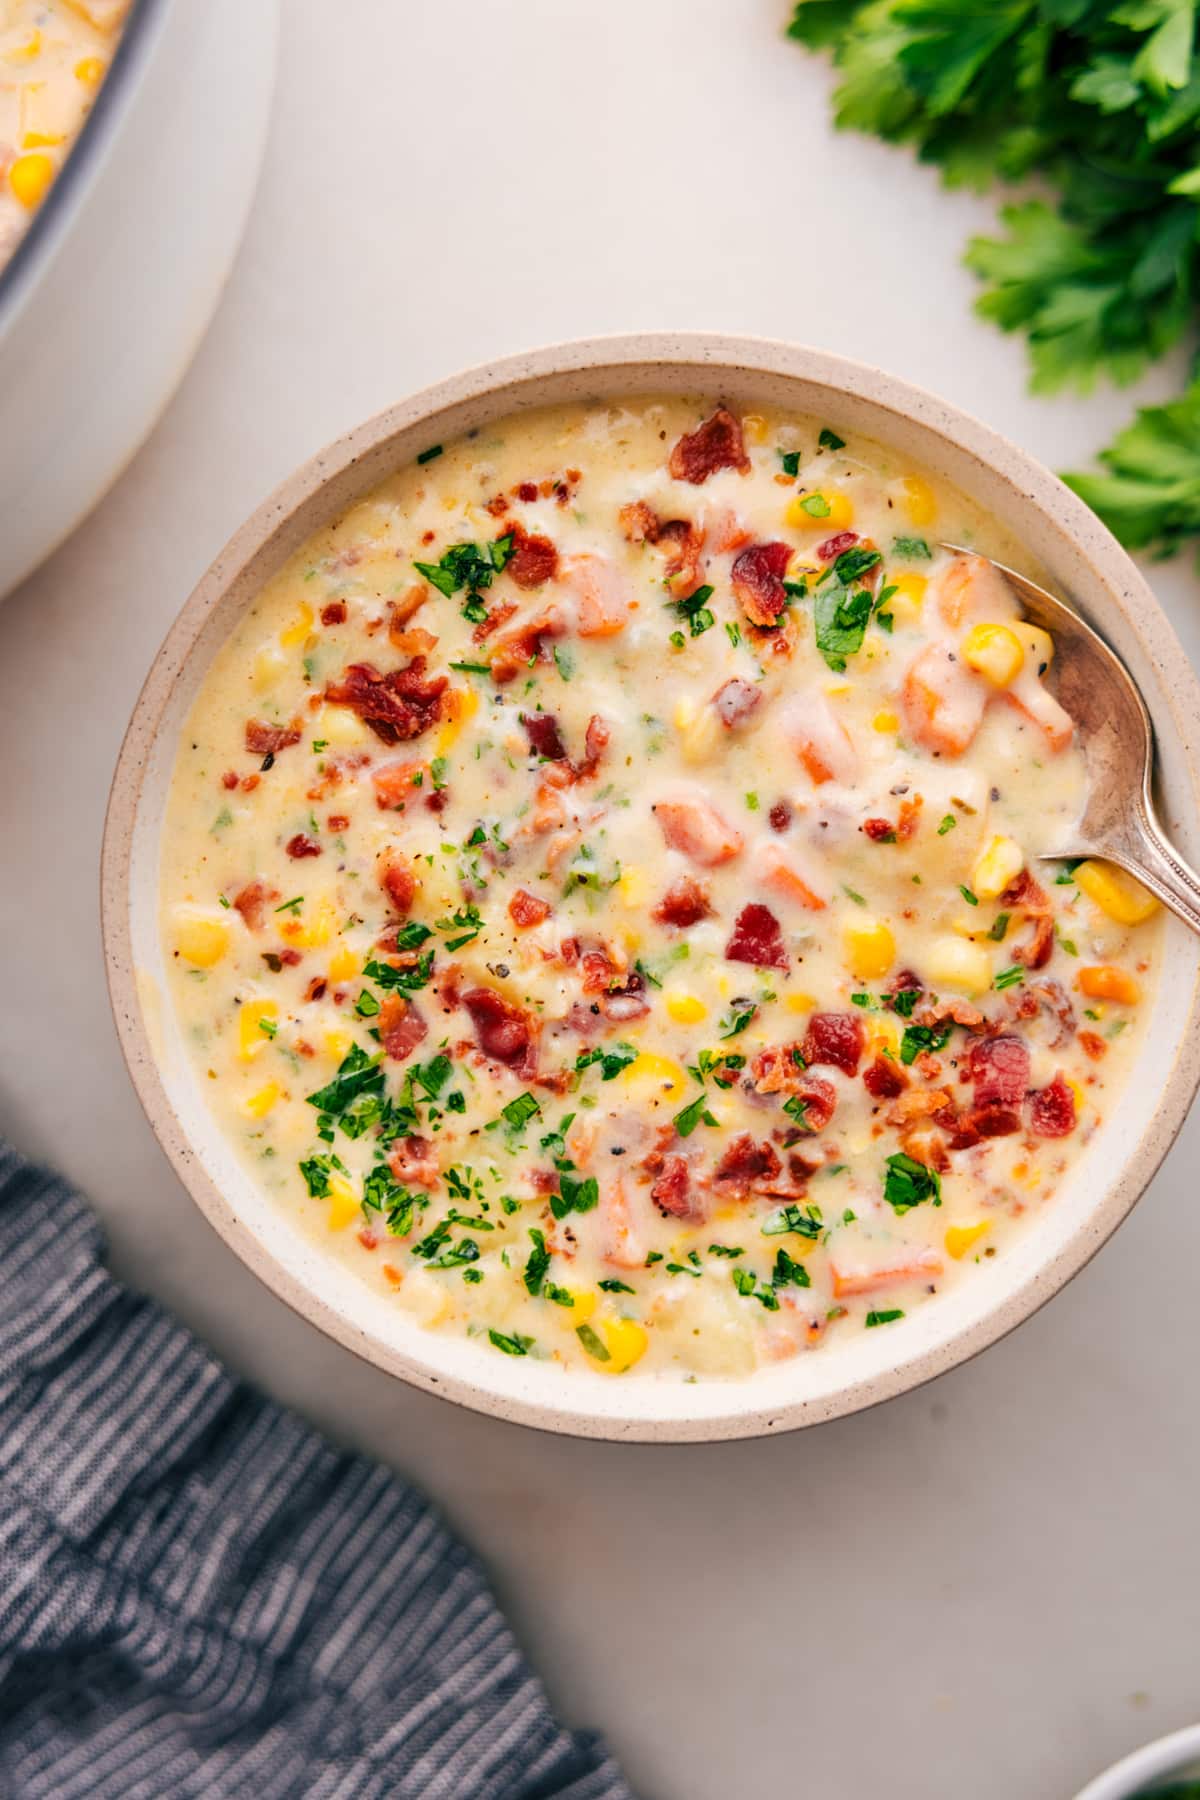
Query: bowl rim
pixel 713 357
pixel 1168 1756
pixel 52 221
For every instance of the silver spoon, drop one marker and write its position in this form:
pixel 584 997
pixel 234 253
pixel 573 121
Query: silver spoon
pixel 1119 822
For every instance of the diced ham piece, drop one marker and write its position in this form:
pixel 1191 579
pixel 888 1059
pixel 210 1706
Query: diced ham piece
pixel 533 560
pixel 398 880
pixel 504 1032
pixel 401 1027
pixel 744 1163
pixel 685 903
pixel 397 706
pixel 736 701
pixel 603 595
pixel 526 910
pixel 837 545
pixel 622 1244
pixel 544 736
pixel 671 1192
pixel 757 578
pixel 757 939
pixel 999 1069
pixel 943 701
pixel 252 902
pixel 693 826
pixel 268 740
pixel 1052 1110
pixel 818 737
pixel 717 444
pixel 836 1038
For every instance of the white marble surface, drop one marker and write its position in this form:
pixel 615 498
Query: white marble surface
pixel 987 1588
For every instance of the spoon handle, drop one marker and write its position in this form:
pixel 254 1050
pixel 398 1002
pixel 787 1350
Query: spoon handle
pixel 1146 853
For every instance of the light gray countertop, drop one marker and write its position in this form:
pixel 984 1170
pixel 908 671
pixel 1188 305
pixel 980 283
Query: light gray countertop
pixel 988 1588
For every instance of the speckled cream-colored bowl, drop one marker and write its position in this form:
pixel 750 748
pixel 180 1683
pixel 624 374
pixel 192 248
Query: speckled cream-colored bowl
pixel 1063 539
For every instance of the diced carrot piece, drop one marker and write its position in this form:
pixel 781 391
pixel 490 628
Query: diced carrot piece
pixel 725 531
pixel 918 1267
pixel 970 588
pixel 602 594
pixel 820 740
pixel 1104 981
pixel 777 872
pixel 694 827
pixel 943 701
pixel 622 1245
pixel 396 783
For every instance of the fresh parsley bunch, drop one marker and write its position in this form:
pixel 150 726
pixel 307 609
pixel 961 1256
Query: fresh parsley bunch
pixel 1102 100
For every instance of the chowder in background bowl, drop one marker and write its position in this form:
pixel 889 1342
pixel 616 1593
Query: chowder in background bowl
pixel 788 388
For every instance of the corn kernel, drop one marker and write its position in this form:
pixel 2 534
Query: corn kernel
pixel 631 937
pixel 686 1009
pixel 1037 644
pixel 659 1073
pixel 462 704
pixel 905 604
pixel 954 963
pixel 1116 894
pixel 626 1342
pixel 754 428
pixel 919 500
pixel 339 726
pixel 258 1105
pixel 90 70
pixel 870 948
pixel 343 1204
pixel 337 1044
pixel 634 885
pixel 313 932
pixel 27 51
pixel 256 1019
pixel 700 730
pixel 884 1034
pixel 1104 981
pixel 1077 1091
pixel 299 628
pixel 994 652
pixel 30 178
pixel 999 864
pixel 959 1238
pixel 799 1003
pixel 839 515
pixel 886 721
pixel 343 964
pixel 583 1305
pixel 201 941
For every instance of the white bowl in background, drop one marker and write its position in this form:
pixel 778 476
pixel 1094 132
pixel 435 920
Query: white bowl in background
pixel 1167 1759
pixel 1063 539
pixel 105 299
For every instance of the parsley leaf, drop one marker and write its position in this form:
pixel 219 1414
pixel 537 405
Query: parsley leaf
pixel 909 1182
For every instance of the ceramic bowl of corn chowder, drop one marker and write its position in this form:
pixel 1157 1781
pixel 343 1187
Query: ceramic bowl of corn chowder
pixel 577 903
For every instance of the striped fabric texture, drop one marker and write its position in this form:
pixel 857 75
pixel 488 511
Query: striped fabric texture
pixel 199 1596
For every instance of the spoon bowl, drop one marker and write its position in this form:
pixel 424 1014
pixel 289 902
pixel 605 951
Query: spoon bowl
pixel 1120 822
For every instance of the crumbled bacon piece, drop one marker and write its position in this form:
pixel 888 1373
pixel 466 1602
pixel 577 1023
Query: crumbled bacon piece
pixel 671 1192
pixel 398 881
pixel 835 1038
pixel 268 740
pixel 499 615
pixel 514 652
pixel 534 559
pixel 903 982
pixel 909 819
pixel 1052 1110
pixel 504 1032
pixel 526 909
pixel 746 1163
pixel 684 903
pixel 302 845
pixel 316 988
pixel 642 525
pixel 401 1027
pixel 639 522
pixel 252 902
pixel 338 821
pixel 780 815
pixel 834 546
pixel 1036 951
pixel 1092 1045
pixel 334 613
pixel 596 740
pixel 999 1068
pixel 526 491
pixel 397 706
pixel 229 779
pixel 413 1161
pixel 757 939
pixel 289 957
pixel 735 702
pixel 959 1012
pixel 757 577
pixel 820 1101
pixel 1029 895
pixel 1053 997
pixel 885 1079
pixel 401 611
pixel 717 444
pixel 545 739
pixel 779 1069
pixel 880 831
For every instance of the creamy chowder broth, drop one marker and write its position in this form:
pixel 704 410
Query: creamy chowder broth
pixel 54 55
pixel 599 894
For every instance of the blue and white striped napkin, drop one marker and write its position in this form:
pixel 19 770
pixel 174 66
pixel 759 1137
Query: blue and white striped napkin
pixel 199 1596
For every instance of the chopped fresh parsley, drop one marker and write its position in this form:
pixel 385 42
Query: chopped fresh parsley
pixel 791 461
pixel 518 1112
pixel 357 1074
pixel 805 1221
pixel 829 440
pixel 592 1344
pixel 428 455
pixel 696 1113
pixel 840 618
pixel 512 1344
pixel 947 824
pixel 1009 977
pixel 908 1183
pixel 885 1317
pixel 575 1194
pixel 918 1038
pixel 388 976
pixel 612 1058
